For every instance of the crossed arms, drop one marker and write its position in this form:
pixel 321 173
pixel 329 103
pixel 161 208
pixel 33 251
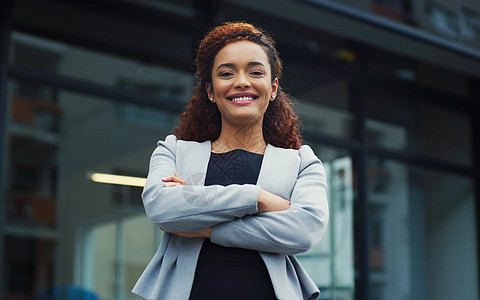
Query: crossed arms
pixel 244 216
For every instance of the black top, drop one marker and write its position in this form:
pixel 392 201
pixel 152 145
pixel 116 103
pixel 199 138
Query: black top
pixel 233 167
pixel 224 272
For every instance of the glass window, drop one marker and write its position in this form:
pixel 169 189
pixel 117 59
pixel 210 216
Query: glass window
pixel 102 263
pixel 323 108
pixel 451 251
pixel 389 238
pixel 398 10
pixel 422 235
pixel 443 19
pixel 470 26
pixel 32 150
pixel 331 262
pixel 114 255
pixel 178 7
pixel 27 254
pixel 405 122
pixel 105 69
pixel 134 259
pixel 56 139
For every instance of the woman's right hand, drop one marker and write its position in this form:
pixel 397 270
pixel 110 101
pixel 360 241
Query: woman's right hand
pixel 271 202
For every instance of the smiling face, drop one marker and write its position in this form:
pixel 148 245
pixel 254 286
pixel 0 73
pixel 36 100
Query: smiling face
pixel 242 84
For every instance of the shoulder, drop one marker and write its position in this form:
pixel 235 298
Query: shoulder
pixel 307 157
pixel 303 156
pixel 170 140
pixel 169 144
pixel 174 145
pixel 305 152
pixel 282 151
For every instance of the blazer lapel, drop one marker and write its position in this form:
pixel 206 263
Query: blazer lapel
pixel 279 171
pixel 266 168
pixel 192 161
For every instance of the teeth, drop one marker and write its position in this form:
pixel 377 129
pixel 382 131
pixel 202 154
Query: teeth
pixel 249 98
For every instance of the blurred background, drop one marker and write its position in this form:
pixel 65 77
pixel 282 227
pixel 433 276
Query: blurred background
pixel 388 90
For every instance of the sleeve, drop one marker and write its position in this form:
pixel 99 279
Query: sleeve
pixel 189 207
pixel 292 231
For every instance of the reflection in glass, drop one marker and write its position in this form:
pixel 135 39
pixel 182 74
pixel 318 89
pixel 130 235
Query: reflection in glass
pixel 102 262
pixel 421 233
pixel 470 26
pixel 443 19
pixel 113 138
pixel 105 69
pixel 451 250
pixel 178 7
pixel 330 263
pixel 389 240
pixel 32 256
pixel 139 243
pixel 31 189
pixel 114 254
pixel 387 135
pixel 398 10
pixel 72 229
pixel 324 109
pixel 412 125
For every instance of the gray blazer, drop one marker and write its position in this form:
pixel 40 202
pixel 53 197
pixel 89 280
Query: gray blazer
pixel 296 175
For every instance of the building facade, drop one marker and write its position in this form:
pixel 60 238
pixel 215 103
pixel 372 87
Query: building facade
pixel 389 95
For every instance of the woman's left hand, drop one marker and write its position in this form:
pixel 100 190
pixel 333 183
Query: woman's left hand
pixel 173 180
pixel 203 233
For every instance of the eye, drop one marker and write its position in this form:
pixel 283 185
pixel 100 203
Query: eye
pixel 225 74
pixel 257 73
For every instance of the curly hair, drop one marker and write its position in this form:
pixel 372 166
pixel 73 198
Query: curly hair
pixel 201 119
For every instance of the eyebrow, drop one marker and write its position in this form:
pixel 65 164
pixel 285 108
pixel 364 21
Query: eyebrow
pixel 230 65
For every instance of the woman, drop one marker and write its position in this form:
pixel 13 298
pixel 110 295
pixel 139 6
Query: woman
pixel 234 190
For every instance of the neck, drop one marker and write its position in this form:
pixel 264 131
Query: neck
pixel 248 137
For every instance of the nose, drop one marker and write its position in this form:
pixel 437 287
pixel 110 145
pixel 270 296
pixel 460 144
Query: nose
pixel 242 81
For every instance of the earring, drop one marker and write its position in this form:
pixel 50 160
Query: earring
pixel 212 100
pixel 272 96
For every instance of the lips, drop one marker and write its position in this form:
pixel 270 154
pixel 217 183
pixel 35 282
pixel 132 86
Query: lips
pixel 242 97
